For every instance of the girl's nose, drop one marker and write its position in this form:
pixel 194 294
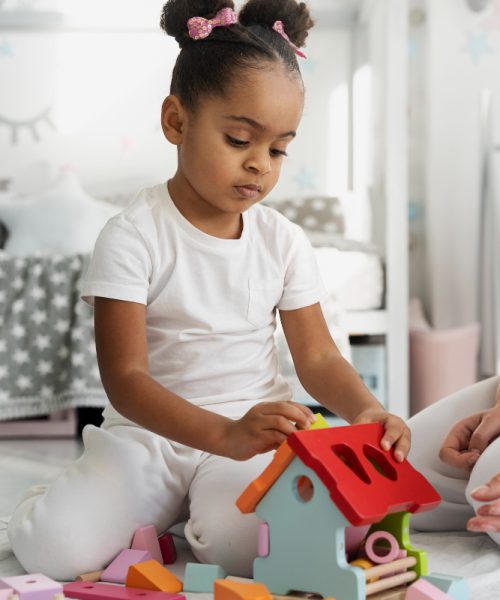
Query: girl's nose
pixel 259 162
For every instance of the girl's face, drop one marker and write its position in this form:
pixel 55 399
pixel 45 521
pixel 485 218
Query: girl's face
pixel 231 149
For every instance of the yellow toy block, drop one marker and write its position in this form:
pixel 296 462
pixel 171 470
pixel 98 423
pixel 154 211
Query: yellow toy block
pixel 320 422
pixel 150 575
pixel 234 590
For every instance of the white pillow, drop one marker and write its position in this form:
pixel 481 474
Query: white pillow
pixel 63 220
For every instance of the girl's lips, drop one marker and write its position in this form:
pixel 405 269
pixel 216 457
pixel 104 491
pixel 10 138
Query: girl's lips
pixel 248 191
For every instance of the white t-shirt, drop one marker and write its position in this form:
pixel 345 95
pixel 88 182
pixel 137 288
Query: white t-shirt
pixel 210 302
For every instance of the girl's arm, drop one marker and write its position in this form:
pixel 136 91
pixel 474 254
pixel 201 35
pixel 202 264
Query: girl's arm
pixel 332 381
pixel 120 334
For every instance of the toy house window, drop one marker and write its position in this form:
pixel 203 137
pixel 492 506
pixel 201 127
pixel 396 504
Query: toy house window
pixel 303 488
pixel 380 462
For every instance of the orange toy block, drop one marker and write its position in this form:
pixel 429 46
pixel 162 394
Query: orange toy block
pixel 234 590
pixel 254 493
pixel 150 575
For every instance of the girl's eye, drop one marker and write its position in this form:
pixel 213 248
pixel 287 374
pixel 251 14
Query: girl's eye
pixel 235 142
pixel 276 152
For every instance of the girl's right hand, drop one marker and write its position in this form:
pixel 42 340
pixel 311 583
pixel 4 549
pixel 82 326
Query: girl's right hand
pixel 263 428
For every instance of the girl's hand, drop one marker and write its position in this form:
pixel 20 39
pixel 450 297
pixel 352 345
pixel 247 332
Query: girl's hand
pixel 468 438
pixel 263 428
pixel 396 433
pixel 488 515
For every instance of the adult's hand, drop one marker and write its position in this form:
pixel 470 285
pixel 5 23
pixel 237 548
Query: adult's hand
pixel 488 515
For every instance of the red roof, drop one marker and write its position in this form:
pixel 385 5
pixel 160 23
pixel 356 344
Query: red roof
pixel 365 481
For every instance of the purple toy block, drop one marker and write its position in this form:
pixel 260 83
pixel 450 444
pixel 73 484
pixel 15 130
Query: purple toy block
pixel 423 590
pixel 34 586
pixel 263 540
pixel 168 550
pixel 117 570
pixel 146 538
pixel 85 590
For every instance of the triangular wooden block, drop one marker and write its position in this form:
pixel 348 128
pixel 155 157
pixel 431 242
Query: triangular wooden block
pixel 151 575
pixel 146 538
pixel 234 590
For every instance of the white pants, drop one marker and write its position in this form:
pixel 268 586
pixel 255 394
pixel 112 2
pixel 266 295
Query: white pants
pixel 127 478
pixel 429 429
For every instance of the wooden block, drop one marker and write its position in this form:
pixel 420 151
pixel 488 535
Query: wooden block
pixel 117 570
pixel 34 586
pixel 167 548
pixel 456 587
pixel 93 576
pixel 233 590
pixel 146 538
pixel 390 582
pixel 239 579
pixel 84 590
pixel 424 590
pixel 200 578
pixel 151 575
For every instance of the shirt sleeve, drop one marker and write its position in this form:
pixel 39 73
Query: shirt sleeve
pixel 303 284
pixel 121 265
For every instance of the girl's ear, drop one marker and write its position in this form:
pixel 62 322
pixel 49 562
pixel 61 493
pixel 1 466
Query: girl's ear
pixel 173 118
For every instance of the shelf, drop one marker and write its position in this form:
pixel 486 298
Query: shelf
pixel 366 322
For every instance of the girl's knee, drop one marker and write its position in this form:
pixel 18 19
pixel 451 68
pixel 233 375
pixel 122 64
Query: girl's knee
pixel 233 546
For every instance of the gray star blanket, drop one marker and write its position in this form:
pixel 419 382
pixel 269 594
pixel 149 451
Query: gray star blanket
pixel 47 351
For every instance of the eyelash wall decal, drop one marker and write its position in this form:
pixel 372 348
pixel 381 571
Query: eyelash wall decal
pixel 16 125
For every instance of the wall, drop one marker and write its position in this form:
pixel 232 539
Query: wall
pixel 88 99
pixel 462 57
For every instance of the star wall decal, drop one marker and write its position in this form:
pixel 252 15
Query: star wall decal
pixel 305 179
pixel 477 45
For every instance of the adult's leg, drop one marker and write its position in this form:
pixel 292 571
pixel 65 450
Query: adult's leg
pixel 429 428
pixel 126 478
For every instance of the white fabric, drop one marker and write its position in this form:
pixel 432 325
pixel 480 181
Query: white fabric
pixel 63 219
pixel 127 478
pixel 210 301
pixel 429 428
pixel 354 278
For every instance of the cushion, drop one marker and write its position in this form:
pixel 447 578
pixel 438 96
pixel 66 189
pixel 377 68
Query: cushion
pixel 321 216
pixel 63 220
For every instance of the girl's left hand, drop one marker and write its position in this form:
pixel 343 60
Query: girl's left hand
pixel 396 433
pixel 488 515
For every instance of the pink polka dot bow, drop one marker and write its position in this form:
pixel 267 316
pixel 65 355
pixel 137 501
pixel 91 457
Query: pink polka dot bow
pixel 200 28
pixel 280 28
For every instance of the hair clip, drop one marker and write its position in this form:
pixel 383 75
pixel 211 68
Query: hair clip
pixel 199 28
pixel 279 28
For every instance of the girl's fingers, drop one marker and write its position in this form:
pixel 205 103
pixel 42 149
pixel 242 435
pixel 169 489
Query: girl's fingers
pixel 397 435
pixel 292 411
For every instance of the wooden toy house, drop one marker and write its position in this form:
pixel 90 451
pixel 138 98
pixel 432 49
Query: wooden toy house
pixel 319 483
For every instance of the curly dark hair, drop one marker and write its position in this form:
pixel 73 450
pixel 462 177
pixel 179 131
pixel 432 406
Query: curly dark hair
pixel 207 67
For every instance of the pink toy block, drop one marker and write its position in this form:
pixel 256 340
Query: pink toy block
pixel 263 543
pixel 33 586
pixel 117 570
pixel 146 538
pixel 423 590
pixel 168 550
pixel 5 592
pixel 83 590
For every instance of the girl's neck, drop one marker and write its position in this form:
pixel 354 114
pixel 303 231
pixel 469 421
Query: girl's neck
pixel 201 214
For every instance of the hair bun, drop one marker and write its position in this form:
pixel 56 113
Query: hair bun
pixel 176 13
pixel 295 16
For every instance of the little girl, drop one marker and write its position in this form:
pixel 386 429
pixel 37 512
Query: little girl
pixel 185 283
